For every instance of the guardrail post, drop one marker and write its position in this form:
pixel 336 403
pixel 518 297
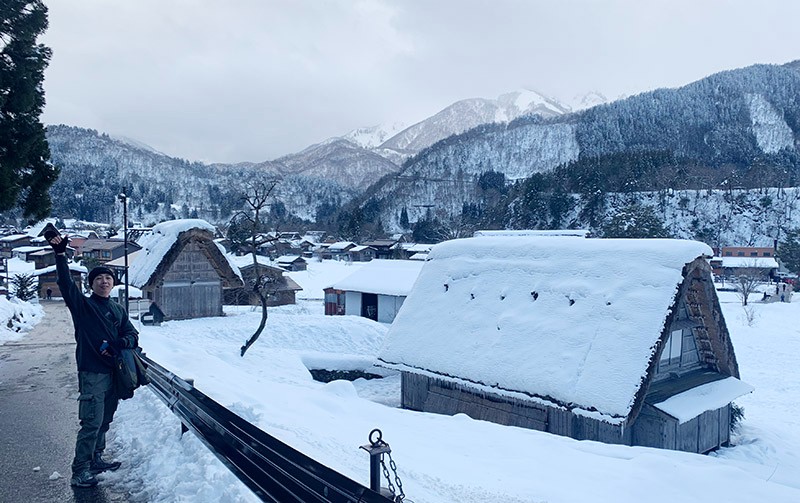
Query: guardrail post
pixel 185 428
pixel 376 449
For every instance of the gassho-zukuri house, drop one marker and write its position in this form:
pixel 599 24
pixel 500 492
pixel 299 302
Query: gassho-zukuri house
pixel 183 270
pixel 616 340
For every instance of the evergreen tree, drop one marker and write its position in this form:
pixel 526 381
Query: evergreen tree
pixel 789 250
pixel 404 218
pixel 635 221
pixel 24 286
pixel 25 171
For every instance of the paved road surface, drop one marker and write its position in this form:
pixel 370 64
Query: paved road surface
pixel 39 415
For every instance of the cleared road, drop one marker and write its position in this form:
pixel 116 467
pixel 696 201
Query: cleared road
pixel 39 415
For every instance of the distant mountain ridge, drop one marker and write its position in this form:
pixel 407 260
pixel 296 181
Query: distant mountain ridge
pixel 748 119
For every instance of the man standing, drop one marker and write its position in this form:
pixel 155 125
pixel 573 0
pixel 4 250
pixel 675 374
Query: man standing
pixel 102 328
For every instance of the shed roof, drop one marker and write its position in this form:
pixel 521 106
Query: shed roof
pixel 385 277
pixel 750 262
pixel 289 259
pixel 573 320
pixel 341 245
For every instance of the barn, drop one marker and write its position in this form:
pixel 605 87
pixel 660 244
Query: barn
pixel 615 340
pixel 182 270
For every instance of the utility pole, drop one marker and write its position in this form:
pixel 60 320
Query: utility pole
pixel 124 199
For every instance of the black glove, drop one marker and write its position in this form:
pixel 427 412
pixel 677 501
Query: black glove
pixel 60 247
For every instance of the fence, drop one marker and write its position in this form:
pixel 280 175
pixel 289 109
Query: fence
pixel 273 470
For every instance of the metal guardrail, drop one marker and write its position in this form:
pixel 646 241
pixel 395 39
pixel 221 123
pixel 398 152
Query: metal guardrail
pixel 273 470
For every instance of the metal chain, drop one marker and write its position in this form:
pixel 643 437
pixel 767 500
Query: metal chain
pixel 397 480
pixel 386 475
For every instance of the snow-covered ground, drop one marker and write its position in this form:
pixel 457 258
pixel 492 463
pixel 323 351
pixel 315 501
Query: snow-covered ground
pixel 439 458
pixel 17 318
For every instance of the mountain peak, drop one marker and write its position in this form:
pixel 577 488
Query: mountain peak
pixel 371 137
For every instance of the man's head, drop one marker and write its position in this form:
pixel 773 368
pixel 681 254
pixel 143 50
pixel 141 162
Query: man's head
pixel 101 281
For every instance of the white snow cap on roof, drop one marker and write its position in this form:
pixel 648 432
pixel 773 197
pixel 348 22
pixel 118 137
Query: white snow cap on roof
pixel 572 319
pixel 750 262
pixel 156 243
pixel 385 277
pixel 558 232
pixel 710 396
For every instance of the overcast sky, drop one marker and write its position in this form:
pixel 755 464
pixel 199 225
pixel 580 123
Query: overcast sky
pixel 251 80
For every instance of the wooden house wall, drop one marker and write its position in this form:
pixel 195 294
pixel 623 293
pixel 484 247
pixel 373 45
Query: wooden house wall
pixel 191 288
pixel 429 394
pixel 704 433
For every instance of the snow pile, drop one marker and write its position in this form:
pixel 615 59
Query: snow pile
pixel 17 318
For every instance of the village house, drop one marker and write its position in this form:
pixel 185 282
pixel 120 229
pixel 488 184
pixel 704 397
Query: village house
pixel 280 289
pixel 182 270
pixel 407 250
pixel 338 250
pixel 105 250
pixel 730 267
pixel 47 279
pixel 376 290
pixel 25 253
pixel 614 340
pixel 8 243
pixel 292 263
pixel 747 251
pixel 361 253
pixel 384 248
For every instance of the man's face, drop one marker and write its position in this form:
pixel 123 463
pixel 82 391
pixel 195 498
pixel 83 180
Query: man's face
pixel 102 285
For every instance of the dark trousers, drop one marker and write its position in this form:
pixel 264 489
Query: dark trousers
pixel 96 406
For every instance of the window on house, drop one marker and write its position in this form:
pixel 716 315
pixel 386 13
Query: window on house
pixel 672 350
pixel 728 254
pixel 767 254
pixel 740 254
pixel 754 254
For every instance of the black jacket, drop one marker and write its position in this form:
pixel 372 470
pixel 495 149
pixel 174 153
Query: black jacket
pixel 96 319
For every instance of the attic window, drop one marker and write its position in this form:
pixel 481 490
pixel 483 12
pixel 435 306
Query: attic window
pixel 672 349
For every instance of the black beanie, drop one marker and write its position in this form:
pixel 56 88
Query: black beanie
pixel 101 269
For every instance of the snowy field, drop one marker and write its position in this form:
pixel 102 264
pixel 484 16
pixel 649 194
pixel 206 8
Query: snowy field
pixel 439 458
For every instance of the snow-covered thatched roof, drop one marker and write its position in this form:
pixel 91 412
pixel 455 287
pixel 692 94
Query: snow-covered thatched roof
pixel 163 243
pixel 574 321
pixel 385 277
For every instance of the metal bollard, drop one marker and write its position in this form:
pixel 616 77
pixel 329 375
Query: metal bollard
pixel 376 449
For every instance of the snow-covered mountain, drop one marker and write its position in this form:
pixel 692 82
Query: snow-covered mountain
pixel 467 114
pixel 591 99
pixel 340 161
pixel 747 120
pixel 372 137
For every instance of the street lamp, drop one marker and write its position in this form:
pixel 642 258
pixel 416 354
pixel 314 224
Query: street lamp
pixel 124 200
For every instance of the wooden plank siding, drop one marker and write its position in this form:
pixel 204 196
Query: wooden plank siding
pixel 652 428
pixel 191 287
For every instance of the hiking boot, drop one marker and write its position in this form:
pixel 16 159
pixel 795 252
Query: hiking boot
pixel 83 479
pixel 99 465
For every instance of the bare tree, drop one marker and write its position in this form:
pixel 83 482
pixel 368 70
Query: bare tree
pixel 256 200
pixel 748 278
